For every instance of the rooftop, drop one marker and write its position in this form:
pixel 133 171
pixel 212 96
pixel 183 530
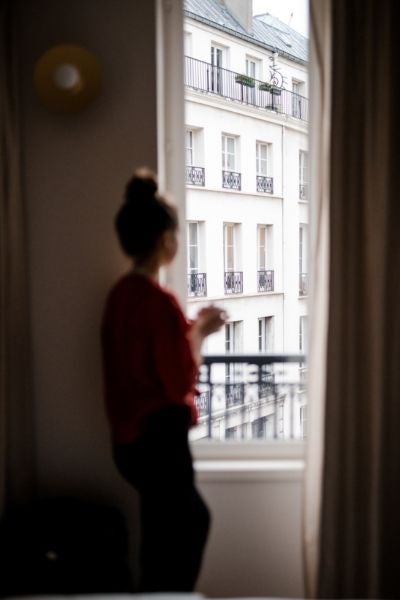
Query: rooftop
pixel 268 31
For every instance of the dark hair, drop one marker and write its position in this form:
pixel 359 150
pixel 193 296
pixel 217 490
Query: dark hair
pixel 144 216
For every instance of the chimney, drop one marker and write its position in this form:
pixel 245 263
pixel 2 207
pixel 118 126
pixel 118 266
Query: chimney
pixel 242 10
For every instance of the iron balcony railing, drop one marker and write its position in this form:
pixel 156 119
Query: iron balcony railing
pixel 205 77
pixel 233 282
pixel 197 284
pixel 303 191
pixel 195 175
pixel 303 284
pixel 231 180
pixel 265 397
pixel 265 184
pixel 265 281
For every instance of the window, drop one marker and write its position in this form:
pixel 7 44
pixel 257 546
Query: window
pixel 303 327
pixel 233 371
pixel 189 148
pixel 228 153
pixel 298 100
pixel 266 334
pixel 265 244
pixel 251 67
pixel 229 246
pixel 218 58
pixel 303 175
pixel 193 247
pixel 303 268
pixel 303 421
pixel 233 336
pixel 187 43
pixel 263 159
pixel 233 277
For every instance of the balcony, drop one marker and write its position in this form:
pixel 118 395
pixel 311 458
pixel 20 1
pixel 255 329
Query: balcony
pixel 264 398
pixel 233 282
pixel 195 175
pixel 231 180
pixel 205 77
pixel 197 284
pixel 303 284
pixel 265 281
pixel 265 184
pixel 303 191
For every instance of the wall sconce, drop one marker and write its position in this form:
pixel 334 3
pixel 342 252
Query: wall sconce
pixel 67 78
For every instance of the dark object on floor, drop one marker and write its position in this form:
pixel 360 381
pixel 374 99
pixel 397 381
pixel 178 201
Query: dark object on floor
pixel 63 546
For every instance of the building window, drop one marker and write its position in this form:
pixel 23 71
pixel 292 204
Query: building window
pixel 264 181
pixel 218 59
pixel 266 334
pixel 303 268
pixel 298 99
pixel 228 153
pixel 197 281
pixel 233 277
pixel 303 331
pixel 265 272
pixel 189 148
pixel 187 43
pixel 195 174
pixel 303 175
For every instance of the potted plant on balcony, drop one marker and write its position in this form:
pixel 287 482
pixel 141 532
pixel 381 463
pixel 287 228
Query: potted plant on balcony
pixel 270 87
pixel 245 80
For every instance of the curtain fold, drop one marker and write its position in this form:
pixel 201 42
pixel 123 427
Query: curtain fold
pixel 16 447
pixel 320 103
pixel 359 528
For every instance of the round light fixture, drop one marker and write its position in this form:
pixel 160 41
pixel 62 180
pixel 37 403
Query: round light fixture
pixel 67 78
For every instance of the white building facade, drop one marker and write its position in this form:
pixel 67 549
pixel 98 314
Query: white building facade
pixel 246 88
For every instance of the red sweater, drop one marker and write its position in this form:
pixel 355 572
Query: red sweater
pixel 148 363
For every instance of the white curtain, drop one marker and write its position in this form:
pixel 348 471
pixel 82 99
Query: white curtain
pixel 353 480
pixel 16 448
pixel 320 102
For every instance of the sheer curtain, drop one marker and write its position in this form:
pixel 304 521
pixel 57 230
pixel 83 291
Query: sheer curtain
pixel 16 458
pixel 358 527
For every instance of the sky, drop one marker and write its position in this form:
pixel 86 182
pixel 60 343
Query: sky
pixel 283 9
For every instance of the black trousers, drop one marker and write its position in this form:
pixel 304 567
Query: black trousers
pixel 174 519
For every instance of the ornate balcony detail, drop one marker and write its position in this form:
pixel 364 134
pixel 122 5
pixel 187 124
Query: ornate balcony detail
pixel 207 78
pixel 197 284
pixel 265 184
pixel 195 176
pixel 303 284
pixel 233 282
pixel 202 402
pixel 303 191
pixel 260 388
pixel 231 180
pixel 265 281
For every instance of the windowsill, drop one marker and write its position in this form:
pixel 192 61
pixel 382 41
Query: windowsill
pixel 249 461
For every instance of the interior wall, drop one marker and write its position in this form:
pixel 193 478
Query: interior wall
pixel 75 167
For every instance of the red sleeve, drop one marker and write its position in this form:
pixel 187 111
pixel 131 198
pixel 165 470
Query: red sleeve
pixel 173 358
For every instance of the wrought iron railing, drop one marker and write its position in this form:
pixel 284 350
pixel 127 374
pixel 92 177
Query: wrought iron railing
pixel 233 282
pixel 265 184
pixel 303 284
pixel 265 281
pixel 197 284
pixel 205 77
pixel 231 180
pixel 195 175
pixel 303 191
pixel 264 397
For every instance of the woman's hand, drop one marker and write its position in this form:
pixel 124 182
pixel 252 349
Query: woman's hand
pixel 209 320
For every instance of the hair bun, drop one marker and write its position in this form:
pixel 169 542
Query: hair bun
pixel 142 186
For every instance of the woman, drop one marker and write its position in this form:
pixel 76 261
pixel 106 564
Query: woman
pixel 151 358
